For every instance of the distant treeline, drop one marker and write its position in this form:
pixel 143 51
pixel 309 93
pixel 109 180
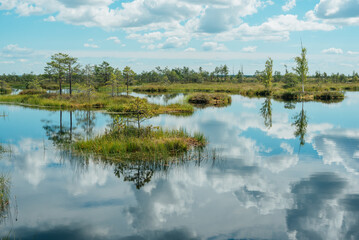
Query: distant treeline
pixel 65 69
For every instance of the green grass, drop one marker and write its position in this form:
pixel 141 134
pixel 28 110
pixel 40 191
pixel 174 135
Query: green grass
pixel 214 99
pixel 318 91
pixel 126 142
pixel 80 101
pixel 151 89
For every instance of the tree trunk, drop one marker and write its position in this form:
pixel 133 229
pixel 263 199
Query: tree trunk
pixel 70 79
pixel 302 84
pixel 60 82
pixel 127 85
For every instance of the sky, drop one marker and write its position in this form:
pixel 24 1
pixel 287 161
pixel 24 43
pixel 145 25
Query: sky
pixel 144 34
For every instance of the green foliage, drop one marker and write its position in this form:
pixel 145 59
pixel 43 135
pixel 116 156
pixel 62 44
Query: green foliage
pixel 128 75
pixel 4 87
pixel 34 84
pixel 302 67
pixel 290 80
pixel 103 72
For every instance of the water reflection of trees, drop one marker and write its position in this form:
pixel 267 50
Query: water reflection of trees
pixel 140 171
pixel 300 123
pixel 63 134
pixel 266 112
pixel 136 169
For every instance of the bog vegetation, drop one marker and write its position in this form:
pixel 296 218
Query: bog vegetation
pixel 64 71
pixel 125 140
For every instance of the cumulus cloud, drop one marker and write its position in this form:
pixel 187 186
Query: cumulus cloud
pixel 190 50
pixel 250 49
pixel 14 51
pixel 213 46
pixel 114 39
pixel 333 51
pixel 176 21
pixel 289 5
pixel 337 12
pixel 90 45
pixel 50 19
pixel 275 28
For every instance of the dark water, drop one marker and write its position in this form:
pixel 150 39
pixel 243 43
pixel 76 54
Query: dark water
pixel 282 171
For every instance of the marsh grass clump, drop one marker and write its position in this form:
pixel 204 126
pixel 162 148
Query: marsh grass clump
pixel 115 104
pixel 32 92
pixel 310 96
pixel 124 140
pixel 210 99
pixel 151 88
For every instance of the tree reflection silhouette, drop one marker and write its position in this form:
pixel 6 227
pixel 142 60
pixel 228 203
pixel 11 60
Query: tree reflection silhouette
pixel 86 120
pixel 266 112
pixel 301 123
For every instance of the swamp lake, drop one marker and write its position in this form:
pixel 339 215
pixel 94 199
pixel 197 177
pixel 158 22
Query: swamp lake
pixel 271 170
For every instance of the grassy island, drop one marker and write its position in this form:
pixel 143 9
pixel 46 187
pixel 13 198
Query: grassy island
pixel 100 101
pixel 313 91
pixel 213 99
pixel 124 141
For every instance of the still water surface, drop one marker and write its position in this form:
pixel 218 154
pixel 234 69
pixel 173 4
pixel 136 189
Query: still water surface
pixel 281 171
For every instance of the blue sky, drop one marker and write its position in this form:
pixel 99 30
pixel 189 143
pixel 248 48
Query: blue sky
pixel 144 34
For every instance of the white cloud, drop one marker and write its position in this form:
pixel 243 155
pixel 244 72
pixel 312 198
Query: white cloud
pixel 177 21
pixel 289 5
pixel 277 28
pixel 338 12
pixel 90 45
pixel 353 53
pixel 250 49
pixel 190 50
pixel 15 51
pixel 333 51
pixel 213 46
pixel 50 19
pixel 114 39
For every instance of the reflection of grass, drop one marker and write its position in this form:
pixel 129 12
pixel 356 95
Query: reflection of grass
pixel 148 142
pixel 4 196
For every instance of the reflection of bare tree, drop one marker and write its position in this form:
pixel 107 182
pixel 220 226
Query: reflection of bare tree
pixel 86 120
pixel 140 171
pixel 266 112
pixel 60 134
pixel 301 123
